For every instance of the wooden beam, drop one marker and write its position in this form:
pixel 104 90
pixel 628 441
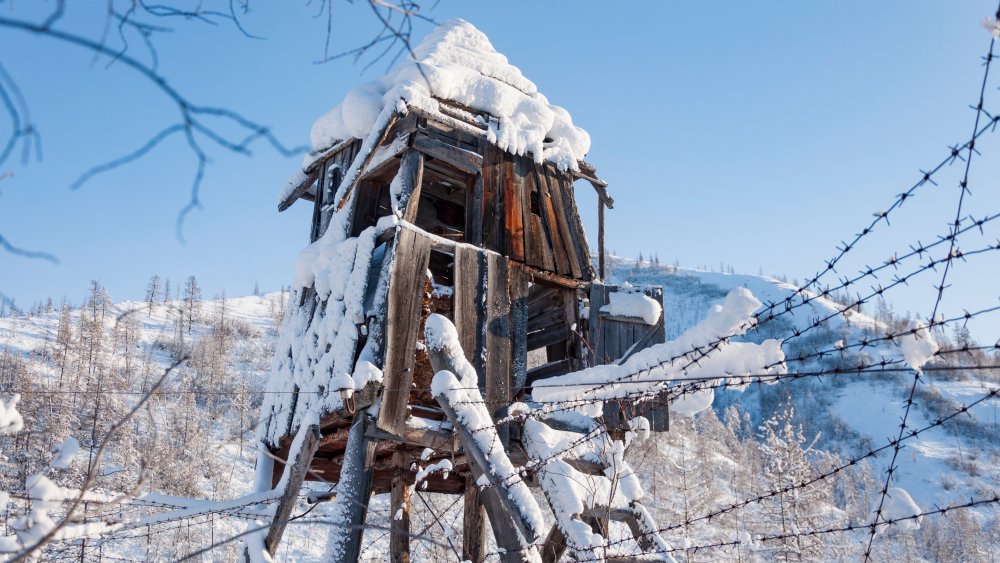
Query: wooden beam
pixel 399 510
pixel 296 474
pixel 413 435
pixel 466 161
pixel 298 192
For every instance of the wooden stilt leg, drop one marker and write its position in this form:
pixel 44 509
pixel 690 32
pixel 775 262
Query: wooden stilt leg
pixel 399 539
pixel 353 493
pixel 473 528
pixel 297 471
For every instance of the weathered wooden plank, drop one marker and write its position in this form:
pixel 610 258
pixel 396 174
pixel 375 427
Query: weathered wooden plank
pixel 498 341
pixel 548 336
pixel 474 213
pixel 598 298
pixel 473 525
pixel 470 306
pixel 493 208
pixel 513 216
pixel 296 475
pixel 600 239
pixel 415 435
pixel 411 167
pixel 564 225
pixel 399 510
pixel 466 161
pixel 550 316
pixel 530 209
pixel 550 369
pixel 385 157
pixel 317 217
pixel 409 270
pixel 577 233
pixel 550 225
pixel 518 288
pixel 298 192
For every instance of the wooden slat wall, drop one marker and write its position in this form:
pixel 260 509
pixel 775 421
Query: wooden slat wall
pixel 610 338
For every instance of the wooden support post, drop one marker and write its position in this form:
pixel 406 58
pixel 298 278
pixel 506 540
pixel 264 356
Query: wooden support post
pixel 399 508
pixel 600 237
pixel 296 471
pixel 498 340
pixel 554 546
pixel 353 493
pixel 473 525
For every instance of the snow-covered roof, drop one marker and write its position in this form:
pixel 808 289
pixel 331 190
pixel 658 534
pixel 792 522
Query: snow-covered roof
pixel 457 62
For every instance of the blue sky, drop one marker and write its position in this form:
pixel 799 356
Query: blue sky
pixel 753 134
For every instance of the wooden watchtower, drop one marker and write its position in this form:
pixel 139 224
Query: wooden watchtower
pixel 428 215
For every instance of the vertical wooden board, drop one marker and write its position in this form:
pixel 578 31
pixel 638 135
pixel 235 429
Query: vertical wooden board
pixel 411 170
pixel 474 212
pixel 600 238
pixel 473 525
pixel 317 219
pixel 532 223
pixel 493 208
pixel 550 225
pixel 513 216
pixel 498 344
pixel 406 283
pixel 577 234
pixel 563 223
pixel 470 305
pixel 399 509
pixel 572 318
pixel 598 298
pixel 518 284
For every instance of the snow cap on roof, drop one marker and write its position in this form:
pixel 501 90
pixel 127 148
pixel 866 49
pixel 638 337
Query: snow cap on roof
pixel 456 62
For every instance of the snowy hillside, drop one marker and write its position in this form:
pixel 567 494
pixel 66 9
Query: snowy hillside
pixel 852 414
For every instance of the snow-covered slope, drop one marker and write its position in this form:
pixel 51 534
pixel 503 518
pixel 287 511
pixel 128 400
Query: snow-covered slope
pixel 851 414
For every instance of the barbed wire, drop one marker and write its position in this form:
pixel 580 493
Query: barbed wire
pixel 963 190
